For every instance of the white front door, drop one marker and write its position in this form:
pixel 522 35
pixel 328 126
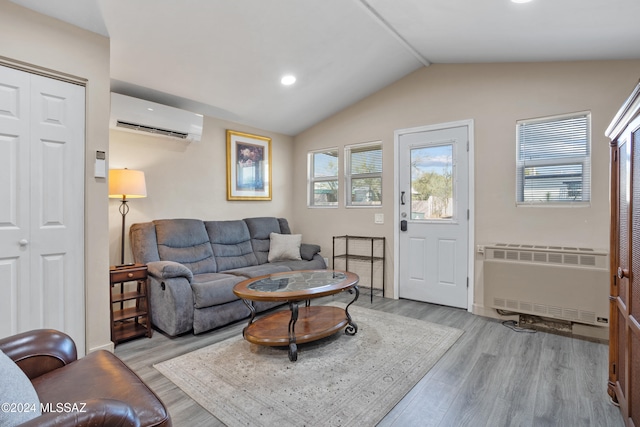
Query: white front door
pixel 42 210
pixel 433 182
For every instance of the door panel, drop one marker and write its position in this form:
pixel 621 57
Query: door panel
pixel 14 186
pixel 624 184
pixel 446 262
pixel 633 285
pixel 42 225
pixel 53 292
pixel 57 177
pixel 434 180
pixel 626 330
pixel 417 252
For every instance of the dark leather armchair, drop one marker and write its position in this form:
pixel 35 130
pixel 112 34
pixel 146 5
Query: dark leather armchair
pixel 108 392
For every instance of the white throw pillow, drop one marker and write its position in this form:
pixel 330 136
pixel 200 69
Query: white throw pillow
pixel 17 394
pixel 284 247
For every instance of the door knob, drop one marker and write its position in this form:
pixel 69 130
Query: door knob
pixel 23 242
pixel 622 273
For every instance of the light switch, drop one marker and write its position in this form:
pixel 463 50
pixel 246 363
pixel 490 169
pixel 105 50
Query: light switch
pixel 379 218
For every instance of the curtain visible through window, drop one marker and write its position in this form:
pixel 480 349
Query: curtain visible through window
pixel 554 160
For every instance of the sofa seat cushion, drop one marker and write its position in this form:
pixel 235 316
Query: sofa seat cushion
pixel 214 289
pixel 317 263
pixel 259 270
pixel 101 375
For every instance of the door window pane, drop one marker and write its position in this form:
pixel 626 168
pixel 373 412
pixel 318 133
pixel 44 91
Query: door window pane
pixel 432 182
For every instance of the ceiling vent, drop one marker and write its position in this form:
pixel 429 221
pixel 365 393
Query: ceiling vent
pixel 146 117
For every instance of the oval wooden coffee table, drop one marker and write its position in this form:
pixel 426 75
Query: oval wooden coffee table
pixel 297 325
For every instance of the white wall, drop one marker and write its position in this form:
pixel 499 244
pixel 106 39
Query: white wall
pixel 45 42
pixel 495 96
pixel 189 180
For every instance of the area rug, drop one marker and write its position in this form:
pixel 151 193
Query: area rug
pixel 338 381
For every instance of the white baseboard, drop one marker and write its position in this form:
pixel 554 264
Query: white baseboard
pixel 109 347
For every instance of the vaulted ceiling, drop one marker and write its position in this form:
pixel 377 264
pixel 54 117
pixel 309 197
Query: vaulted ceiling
pixel 225 58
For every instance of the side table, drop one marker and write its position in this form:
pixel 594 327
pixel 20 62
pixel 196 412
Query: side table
pixel 130 311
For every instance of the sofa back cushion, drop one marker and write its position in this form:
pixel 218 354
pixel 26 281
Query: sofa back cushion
pixel 284 226
pixel 260 229
pixel 185 241
pixel 231 244
pixel 143 242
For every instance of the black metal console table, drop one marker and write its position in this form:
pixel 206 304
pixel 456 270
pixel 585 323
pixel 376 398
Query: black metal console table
pixel 375 253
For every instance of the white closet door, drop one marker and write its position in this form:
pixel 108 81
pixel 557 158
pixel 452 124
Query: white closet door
pixel 14 198
pixel 42 223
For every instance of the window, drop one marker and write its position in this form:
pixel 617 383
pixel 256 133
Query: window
pixel 323 178
pixel 363 169
pixel 432 182
pixel 554 160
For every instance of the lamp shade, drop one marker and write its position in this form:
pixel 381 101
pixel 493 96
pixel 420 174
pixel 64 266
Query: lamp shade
pixel 126 184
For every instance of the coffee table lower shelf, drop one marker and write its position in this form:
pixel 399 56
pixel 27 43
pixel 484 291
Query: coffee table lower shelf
pixel 314 323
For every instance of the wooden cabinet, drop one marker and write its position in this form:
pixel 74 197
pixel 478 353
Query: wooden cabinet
pixel 624 334
pixel 130 309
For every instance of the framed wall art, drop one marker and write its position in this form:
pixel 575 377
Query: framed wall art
pixel 248 166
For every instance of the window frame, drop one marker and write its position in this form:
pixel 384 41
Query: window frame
pixel 583 160
pixel 312 179
pixel 349 177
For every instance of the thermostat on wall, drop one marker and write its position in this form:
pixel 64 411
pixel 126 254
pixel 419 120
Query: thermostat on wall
pixel 100 169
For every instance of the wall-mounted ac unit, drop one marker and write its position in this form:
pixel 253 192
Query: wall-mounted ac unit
pixel 140 116
pixel 548 281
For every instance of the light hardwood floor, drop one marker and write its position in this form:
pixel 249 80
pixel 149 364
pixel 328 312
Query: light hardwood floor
pixel 492 376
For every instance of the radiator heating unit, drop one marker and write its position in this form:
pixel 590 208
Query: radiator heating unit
pixel 565 283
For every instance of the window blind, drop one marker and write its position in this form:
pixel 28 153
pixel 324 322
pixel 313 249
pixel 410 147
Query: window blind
pixel 554 160
pixel 364 174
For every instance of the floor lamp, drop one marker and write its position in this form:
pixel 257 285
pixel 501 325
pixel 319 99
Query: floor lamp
pixel 126 184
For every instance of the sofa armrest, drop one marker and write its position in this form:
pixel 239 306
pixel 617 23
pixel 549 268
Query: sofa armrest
pixel 308 251
pixel 39 351
pixel 169 269
pixel 172 304
pixel 95 412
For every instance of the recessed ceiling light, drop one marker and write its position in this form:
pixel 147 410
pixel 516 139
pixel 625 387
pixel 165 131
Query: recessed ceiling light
pixel 288 80
pixel 149 108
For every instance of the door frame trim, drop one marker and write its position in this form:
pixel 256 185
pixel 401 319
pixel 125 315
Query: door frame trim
pixel 471 197
pixel 44 72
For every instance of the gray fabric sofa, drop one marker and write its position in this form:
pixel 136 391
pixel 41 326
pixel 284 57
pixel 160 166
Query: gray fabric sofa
pixel 193 266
